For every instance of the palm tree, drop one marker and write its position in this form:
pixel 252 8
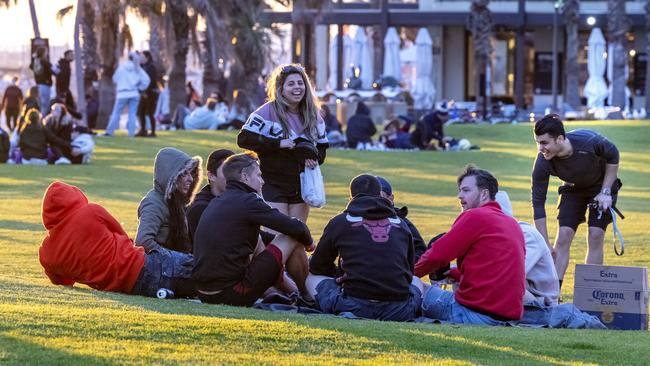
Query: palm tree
pixel 177 74
pixel 90 57
pixel 617 26
pixel 647 53
pixel 479 24
pixel 109 55
pixel 571 14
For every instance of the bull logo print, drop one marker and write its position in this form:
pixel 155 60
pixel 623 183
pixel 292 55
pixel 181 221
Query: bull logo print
pixel 379 229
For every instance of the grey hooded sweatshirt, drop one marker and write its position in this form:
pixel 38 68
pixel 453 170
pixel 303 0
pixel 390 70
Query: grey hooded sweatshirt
pixel 153 212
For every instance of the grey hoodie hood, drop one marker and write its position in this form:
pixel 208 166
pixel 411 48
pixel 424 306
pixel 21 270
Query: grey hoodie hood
pixel 170 164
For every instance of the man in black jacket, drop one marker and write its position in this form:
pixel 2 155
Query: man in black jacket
pixel 375 251
pixel 231 264
pixel 418 242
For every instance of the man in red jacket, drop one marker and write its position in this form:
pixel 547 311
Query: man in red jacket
pixel 489 248
pixel 85 244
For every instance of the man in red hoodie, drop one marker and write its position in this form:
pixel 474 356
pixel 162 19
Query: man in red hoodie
pixel 489 248
pixel 85 244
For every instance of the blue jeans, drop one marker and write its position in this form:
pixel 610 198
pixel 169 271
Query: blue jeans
pixel 114 122
pixel 332 300
pixel 44 95
pixel 168 269
pixel 440 304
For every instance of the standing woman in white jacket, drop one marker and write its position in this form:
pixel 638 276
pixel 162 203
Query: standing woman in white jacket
pixel 130 79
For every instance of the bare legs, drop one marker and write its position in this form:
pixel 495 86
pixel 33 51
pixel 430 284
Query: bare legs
pixel 297 265
pixel 565 235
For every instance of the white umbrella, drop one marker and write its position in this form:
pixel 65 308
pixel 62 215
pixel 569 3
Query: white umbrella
pixel 333 62
pixel 610 76
pixel 363 58
pixel 392 65
pixel 423 91
pixel 596 87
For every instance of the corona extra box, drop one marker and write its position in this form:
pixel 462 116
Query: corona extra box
pixel 617 295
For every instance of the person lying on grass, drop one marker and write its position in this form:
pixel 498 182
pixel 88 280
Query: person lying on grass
pixel 374 247
pixel 85 244
pixel 489 248
pixel 161 214
pixel 232 265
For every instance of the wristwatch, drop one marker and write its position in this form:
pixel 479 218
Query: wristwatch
pixel 606 191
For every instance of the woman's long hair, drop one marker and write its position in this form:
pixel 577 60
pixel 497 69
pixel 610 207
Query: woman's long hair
pixel 308 107
pixel 178 238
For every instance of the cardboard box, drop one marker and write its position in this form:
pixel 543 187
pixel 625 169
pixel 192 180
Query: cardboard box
pixel 617 295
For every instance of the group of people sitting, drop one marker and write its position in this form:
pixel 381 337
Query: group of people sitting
pixel 56 138
pixel 368 260
pixel 399 132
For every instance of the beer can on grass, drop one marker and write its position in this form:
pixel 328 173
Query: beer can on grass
pixel 165 293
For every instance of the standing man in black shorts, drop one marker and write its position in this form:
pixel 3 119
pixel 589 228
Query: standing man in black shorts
pixel 232 266
pixel 587 163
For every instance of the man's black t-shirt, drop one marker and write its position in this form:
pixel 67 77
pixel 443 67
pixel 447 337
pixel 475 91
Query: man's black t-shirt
pixel 583 170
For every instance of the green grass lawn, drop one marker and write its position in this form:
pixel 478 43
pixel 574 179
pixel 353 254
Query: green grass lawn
pixel 45 324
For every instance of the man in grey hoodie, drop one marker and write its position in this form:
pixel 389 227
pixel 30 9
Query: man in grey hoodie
pixel 130 79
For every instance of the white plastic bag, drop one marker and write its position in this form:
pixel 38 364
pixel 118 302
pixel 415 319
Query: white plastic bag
pixel 313 187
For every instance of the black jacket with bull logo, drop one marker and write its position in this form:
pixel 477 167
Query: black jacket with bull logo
pixel 375 250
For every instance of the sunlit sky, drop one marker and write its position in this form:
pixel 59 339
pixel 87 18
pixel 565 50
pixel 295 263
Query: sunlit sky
pixel 16 25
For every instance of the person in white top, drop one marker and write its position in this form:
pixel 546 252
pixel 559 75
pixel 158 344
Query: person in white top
pixel 130 79
pixel 541 277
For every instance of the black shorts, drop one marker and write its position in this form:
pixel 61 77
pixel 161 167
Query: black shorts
pixel 263 272
pixel 164 268
pixel 573 206
pixel 282 193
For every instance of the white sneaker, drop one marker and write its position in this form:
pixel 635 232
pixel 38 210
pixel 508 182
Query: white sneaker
pixel 62 161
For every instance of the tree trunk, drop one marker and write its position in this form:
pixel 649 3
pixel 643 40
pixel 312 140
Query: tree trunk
pixel 212 75
pixel 90 58
pixel 617 28
pixel 479 23
pixel 155 42
pixel 647 55
pixel 107 45
pixel 81 90
pixel 32 12
pixel 572 86
pixel 177 75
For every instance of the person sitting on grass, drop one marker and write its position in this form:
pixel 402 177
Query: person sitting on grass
pixel 85 244
pixel 231 264
pixel 541 276
pixel 161 214
pixel 204 118
pixel 430 127
pixel 360 128
pixel 418 242
pixel 489 248
pixel 83 143
pixel 215 187
pixel 33 139
pixel 374 248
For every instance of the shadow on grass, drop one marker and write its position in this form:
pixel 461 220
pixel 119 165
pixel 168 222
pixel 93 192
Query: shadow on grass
pixel 23 352
pixel 21 225
pixel 460 343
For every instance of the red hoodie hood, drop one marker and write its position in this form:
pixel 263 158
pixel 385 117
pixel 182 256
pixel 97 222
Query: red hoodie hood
pixel 59 201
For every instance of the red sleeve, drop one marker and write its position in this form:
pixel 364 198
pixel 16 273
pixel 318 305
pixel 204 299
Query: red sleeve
pixel 454 274
pixel 450 246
